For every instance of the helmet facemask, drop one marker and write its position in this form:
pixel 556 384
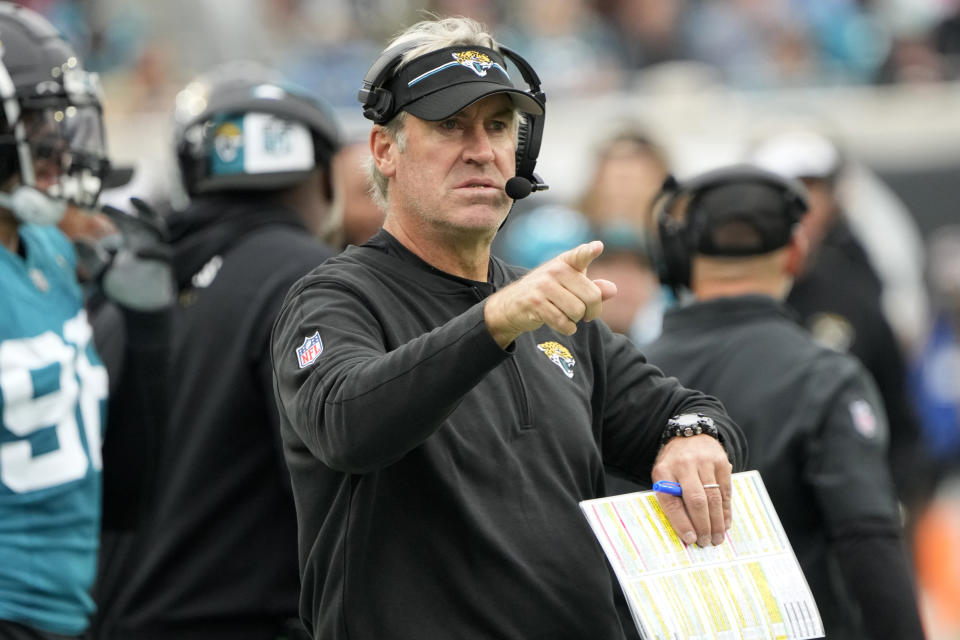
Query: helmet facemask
pixel 65 137
pixel 58 138
pixel 67 153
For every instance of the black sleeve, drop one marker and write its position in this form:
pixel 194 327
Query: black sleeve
pixel 877 573
pixel 885 361
pixel 845 462
pixel 639 399
pixel 109 337
pixel 263 366
pixel 848 471
pixel 355 407
pixel 136 417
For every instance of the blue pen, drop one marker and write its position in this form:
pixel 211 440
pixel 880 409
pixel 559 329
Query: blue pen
pixel 665 486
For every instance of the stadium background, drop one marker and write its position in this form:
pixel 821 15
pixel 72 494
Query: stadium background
pixel 704 77
pixel 700 74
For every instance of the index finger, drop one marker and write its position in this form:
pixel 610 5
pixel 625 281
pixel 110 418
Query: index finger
pixel 580 257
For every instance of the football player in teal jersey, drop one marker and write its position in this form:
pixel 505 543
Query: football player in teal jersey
pixel 53 387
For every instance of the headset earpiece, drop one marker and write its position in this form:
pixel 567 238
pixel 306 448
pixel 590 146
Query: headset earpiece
pixel 672 260
pixel 678 239
pixel 523 140
pixel 377 101
pixel 530 130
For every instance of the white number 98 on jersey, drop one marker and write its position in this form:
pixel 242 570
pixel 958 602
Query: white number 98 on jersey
pixel 51 395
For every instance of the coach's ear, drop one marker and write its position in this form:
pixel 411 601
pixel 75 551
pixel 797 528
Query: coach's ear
pixel 384 149
pixel 797 251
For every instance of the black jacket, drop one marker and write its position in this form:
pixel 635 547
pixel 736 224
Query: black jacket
pixel 839 299
pixel 818 435
pixel 437 476
pixel 217 556
pixel 135 348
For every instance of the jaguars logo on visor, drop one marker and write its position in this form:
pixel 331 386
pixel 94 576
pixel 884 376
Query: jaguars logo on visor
pixel 479 62
pixel 476 61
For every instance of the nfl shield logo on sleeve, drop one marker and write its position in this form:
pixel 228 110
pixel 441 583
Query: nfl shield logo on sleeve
pixel 863 419
pixel 310 350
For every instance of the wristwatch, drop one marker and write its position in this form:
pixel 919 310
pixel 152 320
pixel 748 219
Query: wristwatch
pixel 686 425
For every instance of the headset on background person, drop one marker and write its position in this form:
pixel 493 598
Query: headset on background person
pixel 379 105
pixel 678 239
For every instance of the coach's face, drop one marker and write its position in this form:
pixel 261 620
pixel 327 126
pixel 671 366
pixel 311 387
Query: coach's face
pixel 449 175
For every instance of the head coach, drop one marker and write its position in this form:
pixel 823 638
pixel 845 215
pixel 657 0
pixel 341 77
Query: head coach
pixel 443 412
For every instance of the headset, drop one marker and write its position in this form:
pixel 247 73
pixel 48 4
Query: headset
pixel 678 240
pixel 378 105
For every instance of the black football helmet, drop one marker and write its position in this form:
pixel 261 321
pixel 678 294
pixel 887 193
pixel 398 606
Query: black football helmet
pixel 240 126
pixel 51 124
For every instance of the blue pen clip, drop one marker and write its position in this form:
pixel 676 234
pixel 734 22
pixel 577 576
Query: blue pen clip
pixel 668 487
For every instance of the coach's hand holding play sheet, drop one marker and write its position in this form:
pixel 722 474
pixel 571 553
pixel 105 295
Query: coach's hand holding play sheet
pixel 749 587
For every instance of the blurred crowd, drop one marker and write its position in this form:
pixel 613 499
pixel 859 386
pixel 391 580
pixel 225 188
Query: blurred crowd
pixel 146 50
pixel 576 45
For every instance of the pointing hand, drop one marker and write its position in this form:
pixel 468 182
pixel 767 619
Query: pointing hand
pixel 558 293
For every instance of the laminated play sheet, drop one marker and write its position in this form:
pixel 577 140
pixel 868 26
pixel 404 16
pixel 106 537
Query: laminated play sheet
pixel 750 587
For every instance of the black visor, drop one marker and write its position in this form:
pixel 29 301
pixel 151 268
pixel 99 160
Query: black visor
pixel 441 83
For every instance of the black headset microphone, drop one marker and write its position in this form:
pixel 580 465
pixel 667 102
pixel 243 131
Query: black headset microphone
pixel 518 188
